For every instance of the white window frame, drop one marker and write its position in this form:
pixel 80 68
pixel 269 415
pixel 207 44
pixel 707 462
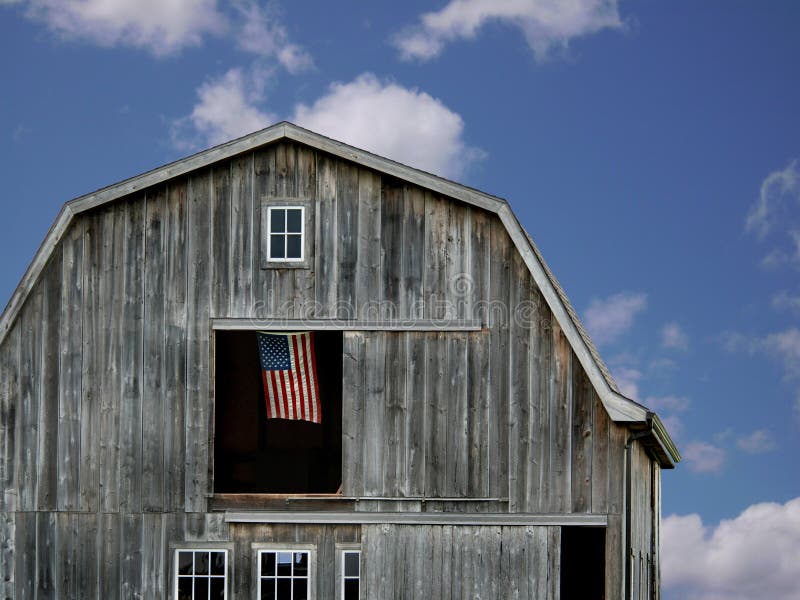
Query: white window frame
pixel 197 548
pixel 284 234
pixel 310 549
pixel 341 549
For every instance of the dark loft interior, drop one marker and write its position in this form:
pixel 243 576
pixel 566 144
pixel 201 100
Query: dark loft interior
pixel 256 455
pixel 583 563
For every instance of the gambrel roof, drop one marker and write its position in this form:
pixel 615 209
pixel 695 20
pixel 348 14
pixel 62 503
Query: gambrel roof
pixel 620 408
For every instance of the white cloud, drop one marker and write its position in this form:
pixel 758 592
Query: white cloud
pixel 262 33
pixel 786 346
pixel 401 123
pixel 785 301
pixel 158 26
pixel 757 442
pixel 546 24
pixel 608 319
pixel 627 379
pixel 754 555
pixel 702 457
pixel 667 403
pixel 777 212
pixel 673 336
pixel 226 108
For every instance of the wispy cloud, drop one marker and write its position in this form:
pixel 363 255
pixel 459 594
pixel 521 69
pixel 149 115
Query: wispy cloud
pixel 261 32
pixel 754 555
pixel 667 403
pixel 226 108
pixel 155 26
pixel 609 318
pixel 785 301
pixel 674 337
pixel 364 112
pixel 776 214
pixel 702 457
pixel 546 24
pixel 628 379
pixel 756 442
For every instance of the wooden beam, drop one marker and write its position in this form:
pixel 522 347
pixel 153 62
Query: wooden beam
pixel 416 518
pixel 346 325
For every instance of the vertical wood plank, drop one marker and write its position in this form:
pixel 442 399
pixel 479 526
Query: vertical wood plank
pixel 153 424
pixel 109 540
pixel 412 303
pixel 198 395
pixel 458 445
pixel 518 373
pixel 153 571
pixel 113 237
pixel 131 369
pixel 96 340
pixel 174 345
pixel 264 187
pixel 305 189
pixel 478 414
pixel 326 260
pixel 374 434
pixel 9 407
pixel 498 322
pixel 416 420
pixel 25 554
pixel 582 439
pixel 47 476
pixel 396 412
pixel 600 456
pixel 353 410
pixel 131 556
pixel 437 383
pixel 392 247
pixel 30 394
pixel 347 234
pixel 560 423
pixel 7 550
pixel 435 278
pixel 242 241
pixel 554 567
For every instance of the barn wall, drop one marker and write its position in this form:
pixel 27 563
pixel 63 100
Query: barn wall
pixel 408 561
pixel 106 395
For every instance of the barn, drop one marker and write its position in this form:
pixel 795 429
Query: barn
pixel 443 427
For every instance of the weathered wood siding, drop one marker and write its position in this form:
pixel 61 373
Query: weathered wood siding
pixel 106 377
pixel 408 561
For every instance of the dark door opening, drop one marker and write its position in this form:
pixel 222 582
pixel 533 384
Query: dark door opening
pixel 256 455
pixel 583 563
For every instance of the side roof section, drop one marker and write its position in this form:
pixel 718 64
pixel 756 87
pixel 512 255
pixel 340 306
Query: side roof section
pixel 620 408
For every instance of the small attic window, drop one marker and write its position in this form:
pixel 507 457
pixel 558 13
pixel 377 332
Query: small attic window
pixel 285 233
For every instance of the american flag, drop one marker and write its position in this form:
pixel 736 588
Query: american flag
pixel 289 371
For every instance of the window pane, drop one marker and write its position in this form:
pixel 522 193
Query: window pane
pixel 277 220
pixel 218 563
pixel 200 588
pixel 294 246
pixel 268 563
pixel 201 563
pixel 184 588
pixel 301 564
pixel 300 589
pixel 351 560
pixel 350 589
pixel 268 589
pixel 185 563
pixel 294 221
pixel 284 563
pixel 217 588
pixel 284 589
pixel 276 246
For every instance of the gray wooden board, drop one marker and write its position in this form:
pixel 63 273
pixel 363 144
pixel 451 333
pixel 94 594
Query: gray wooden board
pixel 153 424
pixel 561 424
pixel 374 434
pixel 7 552
pixel 582 440
pixel 242 241
pixel 347 231
pixel 326 228
pixel 130 435
pixel 353 411
pixel 30 392
pixel 47 476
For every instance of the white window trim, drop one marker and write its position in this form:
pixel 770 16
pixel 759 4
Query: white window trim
pixel 270 233
pixel 341 548
pixel 258 548
pixel 203 547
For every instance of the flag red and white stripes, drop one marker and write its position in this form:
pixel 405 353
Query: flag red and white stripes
pixel 289 371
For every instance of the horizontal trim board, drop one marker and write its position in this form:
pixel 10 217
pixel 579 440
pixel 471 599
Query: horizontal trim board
pixel 414 518
pixel 346 325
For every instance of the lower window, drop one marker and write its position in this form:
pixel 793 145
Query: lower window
pixel 284 574
pixel 201 574
pixel 351 574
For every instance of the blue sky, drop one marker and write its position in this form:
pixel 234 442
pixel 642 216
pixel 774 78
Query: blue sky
pixel 652 149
